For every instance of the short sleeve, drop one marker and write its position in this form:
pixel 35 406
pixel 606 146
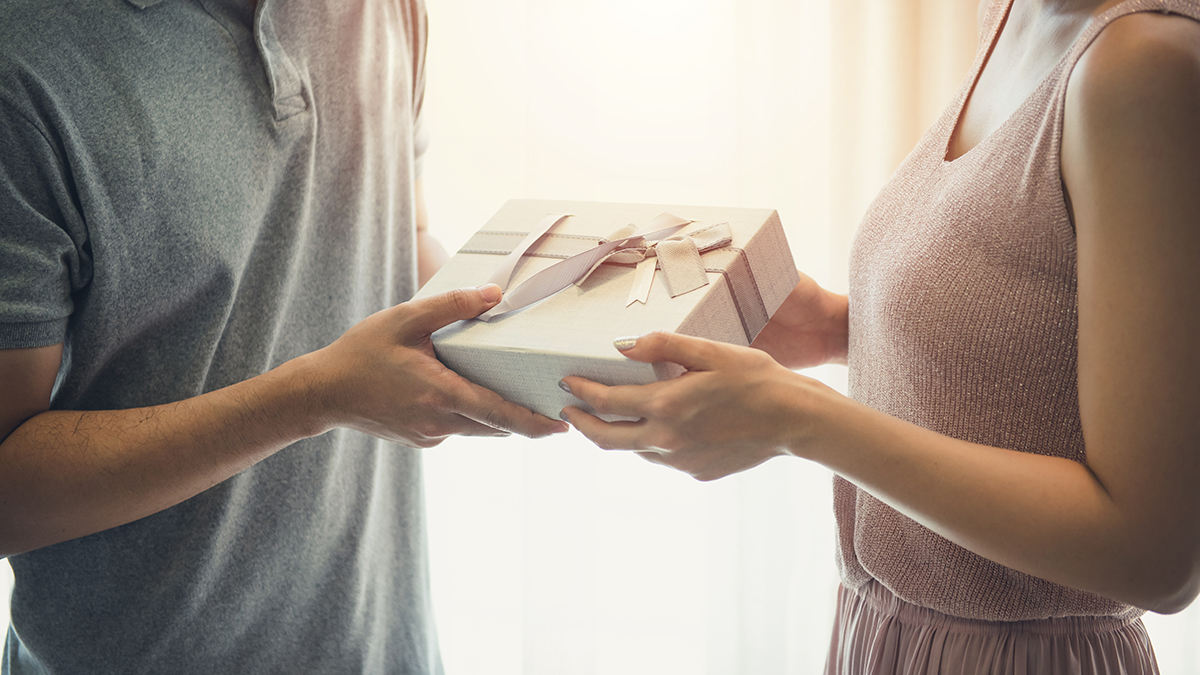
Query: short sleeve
pixel 419 39
pixel 43 261
pixel 420 145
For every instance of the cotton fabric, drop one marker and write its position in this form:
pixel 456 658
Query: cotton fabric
pixel 191 193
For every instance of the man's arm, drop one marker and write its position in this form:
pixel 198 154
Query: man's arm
pixel 66 474
pixel 28 378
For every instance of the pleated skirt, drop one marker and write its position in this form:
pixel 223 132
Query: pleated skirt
pixel 877 633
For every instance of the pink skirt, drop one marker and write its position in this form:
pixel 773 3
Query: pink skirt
pixel 877 633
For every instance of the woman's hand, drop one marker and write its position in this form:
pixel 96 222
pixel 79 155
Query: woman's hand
pixel 733 409
pixel 809 329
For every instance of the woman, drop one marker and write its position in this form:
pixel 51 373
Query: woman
pixel 1017 466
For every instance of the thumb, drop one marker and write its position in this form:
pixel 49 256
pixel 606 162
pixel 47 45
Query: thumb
pixel 692 353
pixel 426 315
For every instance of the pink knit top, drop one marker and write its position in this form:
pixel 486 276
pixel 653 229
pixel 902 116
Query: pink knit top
pixel 963 321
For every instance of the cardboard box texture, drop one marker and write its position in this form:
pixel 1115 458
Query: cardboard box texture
pixel 522 354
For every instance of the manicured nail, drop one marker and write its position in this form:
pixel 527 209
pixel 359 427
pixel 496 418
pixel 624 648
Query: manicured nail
pixel 490 292
pixel 563 385
pixel 625 343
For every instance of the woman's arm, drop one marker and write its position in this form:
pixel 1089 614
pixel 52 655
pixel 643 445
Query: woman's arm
pixel 1131 164
pixel 1126 526
pixel 430 253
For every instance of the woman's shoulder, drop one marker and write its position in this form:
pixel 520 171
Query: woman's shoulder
pixel 1141 52
pixel 1142 70
pixel 1130 135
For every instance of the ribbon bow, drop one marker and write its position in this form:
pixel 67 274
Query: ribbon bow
pixel 648 246
pixel 677 256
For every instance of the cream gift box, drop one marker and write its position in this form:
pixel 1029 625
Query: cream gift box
pixel 728 268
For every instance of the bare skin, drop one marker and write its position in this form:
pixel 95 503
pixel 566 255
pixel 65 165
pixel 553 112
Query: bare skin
pixel 430 254
pixel 66 474
pixel 810 329
pixel 1126 526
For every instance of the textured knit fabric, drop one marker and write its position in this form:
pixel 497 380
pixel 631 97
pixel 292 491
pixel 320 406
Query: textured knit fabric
pixel 877 633
pixel 191 193
pixel 963 321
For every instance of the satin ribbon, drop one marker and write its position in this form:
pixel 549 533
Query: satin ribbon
pixel 677 256
pixel 576 268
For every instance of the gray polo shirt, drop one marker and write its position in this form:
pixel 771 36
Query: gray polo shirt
pixel 191 194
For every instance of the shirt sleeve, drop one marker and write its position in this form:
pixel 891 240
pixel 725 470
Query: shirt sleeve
pixel 420 38
pixel 43 259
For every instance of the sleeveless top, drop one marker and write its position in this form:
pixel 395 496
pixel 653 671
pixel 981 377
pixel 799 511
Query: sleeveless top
pixel 963 321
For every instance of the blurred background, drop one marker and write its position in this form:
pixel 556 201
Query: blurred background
pixel 554 557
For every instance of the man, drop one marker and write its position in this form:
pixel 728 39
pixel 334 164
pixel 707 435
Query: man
pixel 197 198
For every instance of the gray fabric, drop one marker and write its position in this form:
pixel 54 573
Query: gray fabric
pixel 189 196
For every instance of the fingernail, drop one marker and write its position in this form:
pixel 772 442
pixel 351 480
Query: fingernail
pixel 490 292
pixel 562 428
pixel 563 385
pixel 625 343
pixel 562 415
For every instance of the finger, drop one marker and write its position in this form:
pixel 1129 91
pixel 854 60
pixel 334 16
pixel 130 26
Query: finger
pixel 465 426
pixel 489 408
pixel 624 400
pixel 424 316
pixel 607 435
pixel 692 353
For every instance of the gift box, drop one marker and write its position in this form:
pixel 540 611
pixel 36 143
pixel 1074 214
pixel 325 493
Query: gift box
pixel 578 275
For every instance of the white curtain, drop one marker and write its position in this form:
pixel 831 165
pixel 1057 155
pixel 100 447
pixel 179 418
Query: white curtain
pixel 555 558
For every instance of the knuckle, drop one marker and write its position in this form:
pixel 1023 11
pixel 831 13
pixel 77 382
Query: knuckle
pixel 663 407
pixel 710 350
pixel 601 400
pixel 660 339
pixel 432 427
pixel 759 358
pixel 665 439
pixel 459 302
pixel 494 417
pixel 435 400
pixel 426 431
pixel 657 408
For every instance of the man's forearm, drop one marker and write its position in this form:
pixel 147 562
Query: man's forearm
pixel 71 473
pixel 66 474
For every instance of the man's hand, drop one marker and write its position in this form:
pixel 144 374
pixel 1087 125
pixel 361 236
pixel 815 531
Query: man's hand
pixel 66 473
pixel 383 378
